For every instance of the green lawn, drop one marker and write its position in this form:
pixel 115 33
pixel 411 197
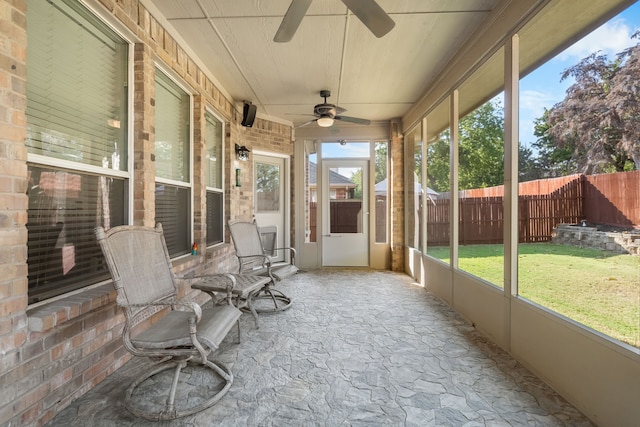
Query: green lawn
pixel 596 288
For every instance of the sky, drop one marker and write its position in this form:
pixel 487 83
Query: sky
pixel 542 88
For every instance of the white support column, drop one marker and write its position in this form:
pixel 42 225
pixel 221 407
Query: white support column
pixel 453 185
pixel 511 143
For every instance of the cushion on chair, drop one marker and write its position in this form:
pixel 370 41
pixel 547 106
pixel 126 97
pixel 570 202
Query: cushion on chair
pixel 216 323
pixel 170 331
pixel 284 271
pixel 173 329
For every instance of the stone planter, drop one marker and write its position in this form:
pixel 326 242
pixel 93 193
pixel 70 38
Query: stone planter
pixel 590 237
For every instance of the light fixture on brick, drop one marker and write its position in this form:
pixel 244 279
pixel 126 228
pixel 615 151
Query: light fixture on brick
pixel 242 153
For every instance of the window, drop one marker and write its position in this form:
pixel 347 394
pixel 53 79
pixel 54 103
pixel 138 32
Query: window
pixel 268 187
pixel 311 190
pixel 481 172
pixel 438 190
pixel 173 172
pixel 381 153
pixel 588 179
pixel 214 131
pixel 413 187
pixel 76 142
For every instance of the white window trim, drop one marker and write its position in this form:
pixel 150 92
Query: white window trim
pixel 190 92
pixel 220 190
pixel 222 154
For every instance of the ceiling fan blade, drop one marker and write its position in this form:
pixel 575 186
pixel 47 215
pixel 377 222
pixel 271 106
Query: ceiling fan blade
pixel 291 20
pixel 371 15
pixel 353 120
pixel 307 123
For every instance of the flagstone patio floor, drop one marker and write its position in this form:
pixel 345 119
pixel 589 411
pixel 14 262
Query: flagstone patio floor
pixel 356 348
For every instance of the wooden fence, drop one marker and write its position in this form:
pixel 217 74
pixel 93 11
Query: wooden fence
pixel 344 218
pixel 611 199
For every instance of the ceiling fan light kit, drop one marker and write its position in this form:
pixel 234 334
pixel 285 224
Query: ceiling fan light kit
pixel 367 11
pixel 325 122
pixel 326 114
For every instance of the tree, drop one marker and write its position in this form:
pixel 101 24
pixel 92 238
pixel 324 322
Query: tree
pixel 552 160
pixel 356 178
pixel 438 163
pixel 528 165
pixel 267 178
pixel 381 156
pixel 598 119
pixel 624 100
pixel 480 151
pixel 481 147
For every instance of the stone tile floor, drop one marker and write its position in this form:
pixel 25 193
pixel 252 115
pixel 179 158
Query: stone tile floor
pixel 356 348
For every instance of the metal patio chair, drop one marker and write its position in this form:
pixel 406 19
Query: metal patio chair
pixel 255 259
pixel 143 276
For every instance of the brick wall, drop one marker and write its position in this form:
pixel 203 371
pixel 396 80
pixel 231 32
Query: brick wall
pixel 263 136
pixel 52 353
pixel 397 197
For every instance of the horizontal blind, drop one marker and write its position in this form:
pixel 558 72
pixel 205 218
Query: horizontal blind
pixel 172 211
pixel 213 157
pixel 76 86
pixel 215 217
pixel 172 130
pixel 64 209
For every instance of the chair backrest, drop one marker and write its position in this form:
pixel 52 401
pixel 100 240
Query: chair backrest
pixel 246 238
pixel 248 243
pixel 139 264
pixel 269 238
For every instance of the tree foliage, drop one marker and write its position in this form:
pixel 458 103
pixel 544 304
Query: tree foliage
pixel 267 178
pixel 598 120
pixel 480 151
pixel 481 147
pixel 552 160
pixel 438 163
pixel 381 158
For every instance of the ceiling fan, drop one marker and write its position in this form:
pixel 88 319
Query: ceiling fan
pixel 326 114
pixel 368 11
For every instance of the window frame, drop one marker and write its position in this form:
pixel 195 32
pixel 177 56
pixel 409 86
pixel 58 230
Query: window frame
pixel 102 23
pixel 210 189
pixel 173 78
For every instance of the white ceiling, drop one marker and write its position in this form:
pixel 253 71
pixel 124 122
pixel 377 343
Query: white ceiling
pixel 376 79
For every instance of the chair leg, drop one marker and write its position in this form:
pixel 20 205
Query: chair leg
pixel 170 412
pixel 280 301
pixel 253 311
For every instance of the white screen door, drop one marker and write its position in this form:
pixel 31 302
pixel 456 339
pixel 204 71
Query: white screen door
pixel 269 197
pixel 345 213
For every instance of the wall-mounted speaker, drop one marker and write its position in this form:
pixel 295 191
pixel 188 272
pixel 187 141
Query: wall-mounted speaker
pixel 248 114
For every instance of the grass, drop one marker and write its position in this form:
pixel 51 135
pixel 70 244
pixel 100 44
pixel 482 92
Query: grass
pixel 596 288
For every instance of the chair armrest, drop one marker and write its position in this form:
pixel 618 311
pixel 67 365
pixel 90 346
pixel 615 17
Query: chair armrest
pixel 250 259
pixel 264 257
pixel 227 277
pixel 190 305
pixel 292 253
